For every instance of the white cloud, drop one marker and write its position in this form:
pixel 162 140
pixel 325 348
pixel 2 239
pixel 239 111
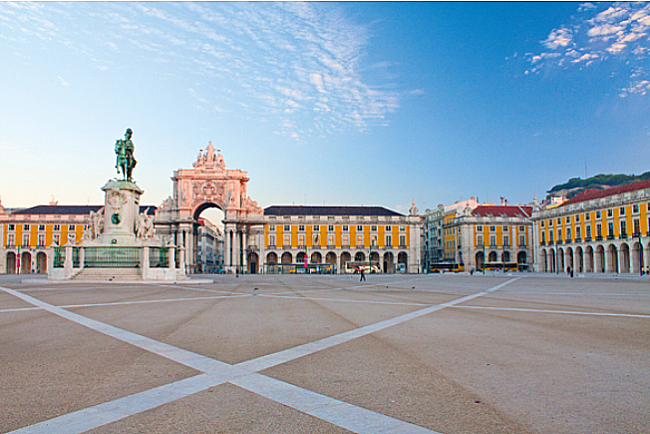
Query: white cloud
pixel 617 32
pixel 63 82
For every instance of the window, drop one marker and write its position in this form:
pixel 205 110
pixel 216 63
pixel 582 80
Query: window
pixel 506 228
pixel 373 240
pixel 568 219
pixel 637 226
pixel 610 230
pixel 346 240
pixel 345 228
pixel 522 228
pixel 559 235
pixel 402 228
pixel 389 228
pixel 41 227
pixel 11 227
pixel 55 239
pixel 623 228
pixel 597 214
pixel 577 217
pixel 301 240
pixel 25 227
pixel 57 227
pixel 479 240
pixel 359 240
pixel 621 210
pixel 588 216
pixel 71 236
pixel 542 223
pixel 610 212
pixel 272 240
pixel 41 240
pixel 522 240
pixel 301 228
pixel 402 240
pixel 373 228
pixel 492 228
pixel 599 230
pixel 635 208
pixel 25 240
pixel 287 228
pixel 10 240
pixel 315 239
pixel 578 232
pixel 506 240
pixel 559 221
pixel 568 234
pixel 71 227
pixel 588 229
pixel 543 238
pixel 479 228
pixel 360 228
pixel 330 228
pixel 493 240
pixel 316 228
pixel 330 240
pixel 286 242
pixel 272 228
pixel 389 240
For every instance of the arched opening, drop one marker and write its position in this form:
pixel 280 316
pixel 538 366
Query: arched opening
pixel 544 261
pixel 560 261
pixel 301 257
pixel 374 258
pixel 207 249
pixel 41 262
pixel 492 257
pixel 552 256
pixel 479 260
pixel 359 256
pixel 624 252
pixel 316 258
pixel 637 258
pixel 589 259
pixel 25 263
pixel 253 262
pixel 600 259
pixel 11 263
pixel 286 260
pixel 402 261
pixel 505 257
pixel 345 258
pixel 612 259
pixel 330 258
pixel 521 260
pixel 569 259
pixel 389 267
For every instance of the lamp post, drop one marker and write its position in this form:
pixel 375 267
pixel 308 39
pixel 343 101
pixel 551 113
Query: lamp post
pixel 640 254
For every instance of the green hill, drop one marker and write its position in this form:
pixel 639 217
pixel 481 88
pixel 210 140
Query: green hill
pixel 598 182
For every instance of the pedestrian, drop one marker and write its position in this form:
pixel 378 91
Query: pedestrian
pixel 363 276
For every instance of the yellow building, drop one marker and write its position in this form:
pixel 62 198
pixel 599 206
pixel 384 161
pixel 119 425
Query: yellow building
pixel 597 231
pixel 335 238
pixel 28 235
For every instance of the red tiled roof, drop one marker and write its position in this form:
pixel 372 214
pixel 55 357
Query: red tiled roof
pixel 502 211
pixel 71 209
pixel 591 194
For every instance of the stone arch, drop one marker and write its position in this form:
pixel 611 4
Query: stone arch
pixel 552 256
pixel 25 263
pixel 316 258
pixel 521 258
pixel 344 258
pixel 544 261
pixel 479 259
pixel 561 266
pixel 505 257
pixel 637 259
pixel 492 256
pixel 330 258
pixel 11 263
pixel 389 267
pixel 272 258
pixel 402 258
pixel 599 259
pixel 624 258
pixel 359 257
pixel 611 259
pixel 286 261
pixel 580 259
pixel 569 258
pixel 589 259
pixel 300 257
pixel 253 262
pixel 41 262
pixel 374 258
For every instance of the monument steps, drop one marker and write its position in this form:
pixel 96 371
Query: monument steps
pixel 109 274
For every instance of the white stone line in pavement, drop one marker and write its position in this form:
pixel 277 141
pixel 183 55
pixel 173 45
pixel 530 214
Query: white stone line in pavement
pixel 269 360
pixel 351 417
pixel 355 419
pixel 199 289
pixel 19 309
pixel 161 300
pixel 347 300
pixel 566 312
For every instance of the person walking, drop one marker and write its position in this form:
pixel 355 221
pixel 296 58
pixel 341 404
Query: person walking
pixel 363 276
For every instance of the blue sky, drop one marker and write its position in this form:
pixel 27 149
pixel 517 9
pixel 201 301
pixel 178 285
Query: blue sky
pixel 354 103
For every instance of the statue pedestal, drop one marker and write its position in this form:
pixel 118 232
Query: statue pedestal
pixel 121 209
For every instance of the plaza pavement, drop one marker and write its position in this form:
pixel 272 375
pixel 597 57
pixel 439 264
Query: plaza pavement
pixel 521 353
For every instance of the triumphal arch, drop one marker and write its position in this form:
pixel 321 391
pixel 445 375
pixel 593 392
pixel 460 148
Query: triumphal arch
pixel 207 185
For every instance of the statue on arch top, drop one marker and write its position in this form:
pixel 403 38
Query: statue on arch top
pixel 125 160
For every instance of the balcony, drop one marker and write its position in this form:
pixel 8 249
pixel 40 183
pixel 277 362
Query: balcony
pixel 623 236
pixel 599 238
pixel 587 239
pixel 610 237
pixel 559 242
pixel 568 240
pixel 578 240
pixel 543 243
pixel 636 235
pixel 271 246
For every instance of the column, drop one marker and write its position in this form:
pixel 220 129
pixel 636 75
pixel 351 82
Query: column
pixel 244 237
pixel 621 260
pixel 144 262
pixel 262 258
pixel 226 248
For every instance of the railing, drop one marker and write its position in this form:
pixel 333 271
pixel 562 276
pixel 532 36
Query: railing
pixel 159 257
pixel 587 239
pixel 578 240
pixel 610 237
pixel 75 257
pixel 623 236
pixel 599 238
pixel 112 257
pixel 543 243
